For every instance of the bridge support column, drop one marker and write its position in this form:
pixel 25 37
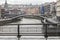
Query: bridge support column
pixel 42 20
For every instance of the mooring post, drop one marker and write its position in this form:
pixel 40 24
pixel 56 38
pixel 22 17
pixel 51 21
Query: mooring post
pixel 45 26
pixel 42 20
pixel 18 36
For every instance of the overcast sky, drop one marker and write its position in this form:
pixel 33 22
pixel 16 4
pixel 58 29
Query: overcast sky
pixel 26 1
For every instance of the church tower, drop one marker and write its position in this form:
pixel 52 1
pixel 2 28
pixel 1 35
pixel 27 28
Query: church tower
pixel 6 5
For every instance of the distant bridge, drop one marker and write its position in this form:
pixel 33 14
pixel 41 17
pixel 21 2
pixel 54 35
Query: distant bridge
pixel 42 18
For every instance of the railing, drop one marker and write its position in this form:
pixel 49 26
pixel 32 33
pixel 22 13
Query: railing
pixel 29 30
pixel 21 28
pixel 30 39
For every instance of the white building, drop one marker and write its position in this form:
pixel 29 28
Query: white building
pixel 0 11
pixel 58 9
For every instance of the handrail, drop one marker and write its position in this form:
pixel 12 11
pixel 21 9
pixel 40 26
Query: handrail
pixel 36 24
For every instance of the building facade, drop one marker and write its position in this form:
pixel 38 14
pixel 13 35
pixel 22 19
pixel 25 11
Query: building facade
pixel 33 10
pixel 0 11
pixel 58 9
pixel 49 9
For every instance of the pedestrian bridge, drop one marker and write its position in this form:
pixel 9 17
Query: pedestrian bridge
pixel 49 20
